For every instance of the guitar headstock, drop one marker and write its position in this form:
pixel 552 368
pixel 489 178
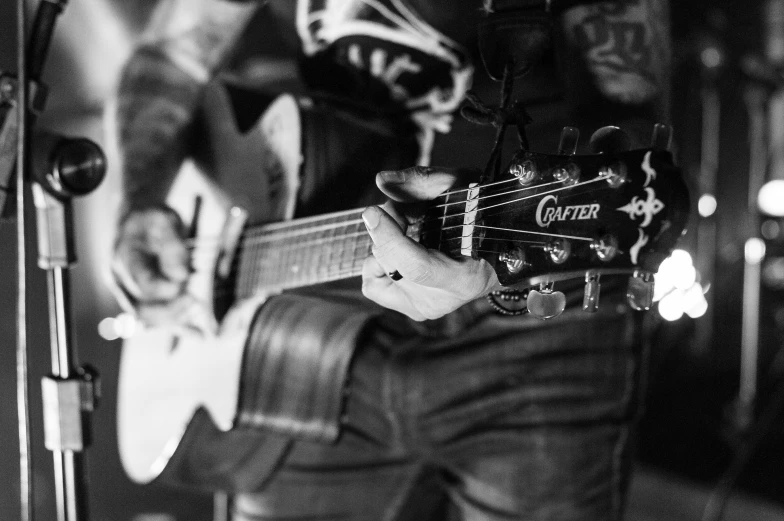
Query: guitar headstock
pixel 552 217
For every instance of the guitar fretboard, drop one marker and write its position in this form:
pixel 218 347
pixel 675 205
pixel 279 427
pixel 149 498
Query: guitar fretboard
pixel 304 252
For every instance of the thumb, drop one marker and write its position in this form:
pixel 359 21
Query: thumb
pixel 420 183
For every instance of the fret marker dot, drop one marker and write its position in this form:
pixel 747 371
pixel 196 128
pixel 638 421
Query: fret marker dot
pixel 295 269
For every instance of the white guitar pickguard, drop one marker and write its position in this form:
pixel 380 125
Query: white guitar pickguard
pixel 167 373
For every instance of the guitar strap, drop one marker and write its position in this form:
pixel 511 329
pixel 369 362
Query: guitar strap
pixel 296 365
pixel 292 387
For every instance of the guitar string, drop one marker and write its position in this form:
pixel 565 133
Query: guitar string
pixel 263 236
pixel 253 238
pixel 487 185
pixel 275 258
pixel 493 195
pixel 364 234
pixel 311 274
pixel 305 278
pixel 353 270
pixel 358 211
pixel 481 209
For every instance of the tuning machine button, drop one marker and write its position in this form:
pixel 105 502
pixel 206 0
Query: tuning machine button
pixel 661 138
pixel 610 140
pixel 567 145
pixel 606 248
pixel 514 259
pixel 591 292
pixel 524 169
pixel 545 303
pixel 639 293
pixel 559 250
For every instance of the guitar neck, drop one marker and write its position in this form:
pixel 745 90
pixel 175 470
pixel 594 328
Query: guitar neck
pixel 304 252
pixel 620 214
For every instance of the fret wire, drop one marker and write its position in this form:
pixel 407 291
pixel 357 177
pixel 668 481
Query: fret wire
pixel 356 245
pixel 357 258
pixel 268 256
pixel 317 242
pixel 307 259
pixel 305 220
pixel 330 258
pixel 261 234
pixel 246 282
pixel 443 223
pixel 242 273
pixel 252 268
pixel 349 255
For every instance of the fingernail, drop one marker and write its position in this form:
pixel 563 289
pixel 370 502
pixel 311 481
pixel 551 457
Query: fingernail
pixel 371 216
pixel 392 176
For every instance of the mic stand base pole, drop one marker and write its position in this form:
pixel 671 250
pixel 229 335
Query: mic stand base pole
pixel 70 392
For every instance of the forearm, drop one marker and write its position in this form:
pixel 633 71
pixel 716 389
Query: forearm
pixel 160 89
pixel 615 60
pixel 155 106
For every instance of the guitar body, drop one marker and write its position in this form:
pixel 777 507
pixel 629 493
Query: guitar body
pixel 167 373
pixel 179 390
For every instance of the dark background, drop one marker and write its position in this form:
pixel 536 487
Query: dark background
pixel 685 432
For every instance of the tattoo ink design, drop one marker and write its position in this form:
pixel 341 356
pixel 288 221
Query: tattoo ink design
pixel 625 47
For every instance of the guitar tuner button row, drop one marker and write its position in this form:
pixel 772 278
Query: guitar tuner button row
pixel 559 250
pixel 606 248
pixel 616 174
pixel 514 260
pixel 567 174
pixel 525 171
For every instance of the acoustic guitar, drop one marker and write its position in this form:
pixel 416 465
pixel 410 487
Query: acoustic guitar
pixel 547 218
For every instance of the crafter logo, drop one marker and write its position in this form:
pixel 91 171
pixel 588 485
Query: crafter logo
pixel 549 211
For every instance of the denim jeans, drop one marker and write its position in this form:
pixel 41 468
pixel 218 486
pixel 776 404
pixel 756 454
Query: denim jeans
pixel 510 418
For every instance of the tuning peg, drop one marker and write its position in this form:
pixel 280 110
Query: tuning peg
pixel 610 140
pixel 567 146
pixel 591 293
pixel 606 247
pixel 559 249
pixel 639 293
pixel 661 138
pixel 546 303
pixel 514 259
pixel 524 168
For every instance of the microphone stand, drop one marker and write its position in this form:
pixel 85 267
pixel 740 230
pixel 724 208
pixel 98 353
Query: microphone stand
pixel 67 167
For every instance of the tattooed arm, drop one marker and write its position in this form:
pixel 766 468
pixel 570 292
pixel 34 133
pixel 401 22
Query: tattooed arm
pixel 615 60
pixel 158 96
pixel 160 85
